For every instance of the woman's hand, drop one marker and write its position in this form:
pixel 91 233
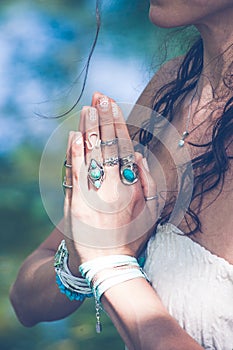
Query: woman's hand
pixel 103 215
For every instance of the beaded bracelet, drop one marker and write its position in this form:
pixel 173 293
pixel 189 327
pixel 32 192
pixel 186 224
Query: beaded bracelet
pixel 72 295
pixel 75 288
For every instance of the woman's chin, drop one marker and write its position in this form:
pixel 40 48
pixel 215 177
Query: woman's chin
pixel 158 19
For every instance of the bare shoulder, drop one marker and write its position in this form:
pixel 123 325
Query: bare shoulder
pixel 164 75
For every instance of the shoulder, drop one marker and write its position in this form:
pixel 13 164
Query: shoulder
pixel 166 74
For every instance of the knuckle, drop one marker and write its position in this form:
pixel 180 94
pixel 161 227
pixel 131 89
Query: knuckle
pixel 121 126
pixel 125 149
pixel 110 152
pixel 106 120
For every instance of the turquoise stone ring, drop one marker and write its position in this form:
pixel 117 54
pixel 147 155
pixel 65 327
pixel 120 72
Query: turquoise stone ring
pixel 95 174
pixel 128 171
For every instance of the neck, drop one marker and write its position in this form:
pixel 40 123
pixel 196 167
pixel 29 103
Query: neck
pixel 217 35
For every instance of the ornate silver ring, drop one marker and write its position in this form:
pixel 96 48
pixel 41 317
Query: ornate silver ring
pixel 111 161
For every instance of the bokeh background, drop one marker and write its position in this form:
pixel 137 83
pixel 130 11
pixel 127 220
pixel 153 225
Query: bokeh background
pixel 44 45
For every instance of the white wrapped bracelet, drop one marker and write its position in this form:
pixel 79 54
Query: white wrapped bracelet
pixel 105 272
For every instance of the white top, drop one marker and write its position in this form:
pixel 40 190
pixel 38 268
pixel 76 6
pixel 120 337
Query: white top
pixel 195 286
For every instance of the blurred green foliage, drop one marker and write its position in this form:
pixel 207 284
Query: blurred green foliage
pixel 45 58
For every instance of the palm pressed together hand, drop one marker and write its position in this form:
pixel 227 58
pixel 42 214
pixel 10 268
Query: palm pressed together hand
pixel 106 216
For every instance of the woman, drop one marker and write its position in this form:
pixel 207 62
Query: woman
pixel 187 302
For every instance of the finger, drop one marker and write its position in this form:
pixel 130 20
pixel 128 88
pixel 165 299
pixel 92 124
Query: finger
pixel 68 173
pixel 68 190
pixel 93 154
pixel 91 134
pixel 128 166
pixel 125 145
pixel 81 124
pixel 77 156
pixel 148 185
pixel 107 130
pixel 95 98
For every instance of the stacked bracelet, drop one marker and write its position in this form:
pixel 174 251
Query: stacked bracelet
pixel 90 268
pixel 105 272
pixel 98 276
pixel 75 288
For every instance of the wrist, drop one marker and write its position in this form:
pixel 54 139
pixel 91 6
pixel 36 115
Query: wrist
pixel 73 261
pixel 73 264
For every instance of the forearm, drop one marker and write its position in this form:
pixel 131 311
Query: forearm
pixel 142 320
pixel 35 295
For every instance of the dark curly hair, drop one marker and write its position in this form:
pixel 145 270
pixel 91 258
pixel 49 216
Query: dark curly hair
pixel 210 167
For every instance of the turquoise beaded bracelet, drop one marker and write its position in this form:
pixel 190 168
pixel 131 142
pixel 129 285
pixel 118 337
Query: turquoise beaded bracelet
pixel 69 293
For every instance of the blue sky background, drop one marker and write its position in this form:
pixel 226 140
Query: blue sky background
pixel 44 48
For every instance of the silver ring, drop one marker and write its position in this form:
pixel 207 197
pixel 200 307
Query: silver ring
pixel 90 143
pixel 111 161
pixel 127 160
pixel 95 174
pixel 67 165
pixel 65 185
pixel 156 197
pixel 109 142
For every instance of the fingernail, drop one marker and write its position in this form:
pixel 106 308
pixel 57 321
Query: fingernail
pixel 144 161
pixel 104 103
pixel 92 113
pixel 79 138
pixel 115 110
